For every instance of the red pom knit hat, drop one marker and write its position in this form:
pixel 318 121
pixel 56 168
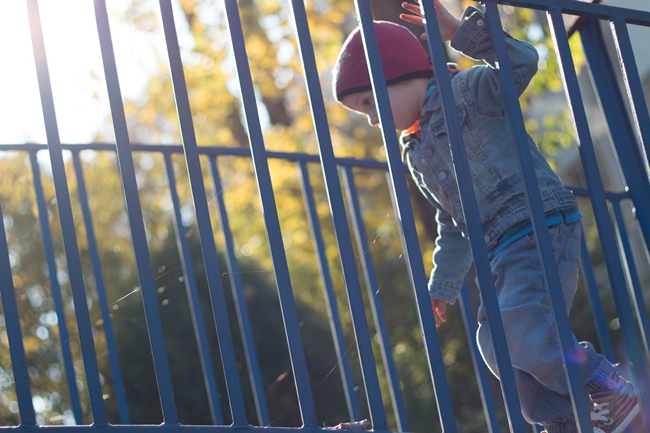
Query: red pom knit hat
pixel 402 57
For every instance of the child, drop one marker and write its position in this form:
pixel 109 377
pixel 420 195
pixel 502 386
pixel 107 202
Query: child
pixel 499 189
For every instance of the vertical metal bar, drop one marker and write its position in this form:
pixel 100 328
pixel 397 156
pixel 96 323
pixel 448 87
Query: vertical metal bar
pixel 594 298
pixel 470 330
pixel 329 295
pixel 533 197
pixel 632 275
pixel 337 207
pixel 241 308
pixel 272 222
pixel 202 211
pixel 118 384
pixel 599 205
pixel 138 234
pixel 66 218
pixel 375 300
pixel 479 366
pixel 547 260
pixel 12 321
pixel 405 216
pixel 633 85
pixel 472 217
pixel 193 296
pixel 68 363
pixel 620 130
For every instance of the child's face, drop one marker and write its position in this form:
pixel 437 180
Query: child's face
pixel 406 101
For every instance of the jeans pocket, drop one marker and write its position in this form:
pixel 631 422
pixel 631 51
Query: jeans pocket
pixel 530 238
pixel 571 241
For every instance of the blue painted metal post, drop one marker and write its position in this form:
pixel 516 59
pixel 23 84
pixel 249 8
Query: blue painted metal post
pixel 272 222
pixel 547 260
pixel 599 204
pixel 375 301
pixel 619 127
pixel 252 360
pixel 633 85
pixel 203 217
pixel 118 384
pixel 405 217
pixel 68 364
pixel 337 207
pixel 594 299
pixel 405 213
pixel 470 330
pixel 472 217
pixel 479 366
pixel 66 218
pixel 329 295
pixel 632 275
pixel 12 323
pixel 193 295
pixel 134 210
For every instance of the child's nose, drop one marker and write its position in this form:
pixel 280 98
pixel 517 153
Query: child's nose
pixel 373 120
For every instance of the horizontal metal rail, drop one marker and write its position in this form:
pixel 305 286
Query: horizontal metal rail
pixel 202 150
pixel 584 9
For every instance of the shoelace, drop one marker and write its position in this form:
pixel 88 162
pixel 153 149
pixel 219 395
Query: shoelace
pixel 599 412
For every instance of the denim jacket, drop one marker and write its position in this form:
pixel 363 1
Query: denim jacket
pixel 491 152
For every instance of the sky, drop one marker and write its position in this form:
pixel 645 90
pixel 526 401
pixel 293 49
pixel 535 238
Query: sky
pixel 75 66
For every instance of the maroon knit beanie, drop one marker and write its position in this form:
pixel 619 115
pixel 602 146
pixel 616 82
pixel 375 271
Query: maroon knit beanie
pixel 402 57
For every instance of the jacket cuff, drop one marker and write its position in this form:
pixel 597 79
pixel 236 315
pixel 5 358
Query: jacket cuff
pixel 445 290
pixel 473 29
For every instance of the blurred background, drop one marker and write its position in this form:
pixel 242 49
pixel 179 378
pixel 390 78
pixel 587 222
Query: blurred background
pixel 84 117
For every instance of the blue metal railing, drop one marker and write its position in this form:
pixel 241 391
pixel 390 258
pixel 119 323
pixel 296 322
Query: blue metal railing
pixel 129 183
pixel 631 143
pixel 56 291
pixel 190 284
pixel 67 219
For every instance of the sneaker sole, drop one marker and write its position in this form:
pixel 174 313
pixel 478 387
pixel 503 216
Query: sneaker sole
pixel 628 419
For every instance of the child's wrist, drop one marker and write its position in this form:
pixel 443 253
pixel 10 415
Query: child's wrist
pixel 457 26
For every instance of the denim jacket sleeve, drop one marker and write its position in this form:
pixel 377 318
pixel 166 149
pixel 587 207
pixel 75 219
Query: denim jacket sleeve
pixel 452 259
pixel 483 83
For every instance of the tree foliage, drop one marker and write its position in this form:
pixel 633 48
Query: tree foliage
pixel 218 121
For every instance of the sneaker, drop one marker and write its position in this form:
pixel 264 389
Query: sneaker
pixel 615 405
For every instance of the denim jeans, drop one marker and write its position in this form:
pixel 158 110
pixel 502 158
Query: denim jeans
pixel 531 330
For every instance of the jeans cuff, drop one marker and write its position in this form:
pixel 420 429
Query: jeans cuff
pixel 566 427
pixel 598 377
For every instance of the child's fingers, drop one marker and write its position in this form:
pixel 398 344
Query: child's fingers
pixel 439 311
pixel 442 310
pixel 437 319
pixel 440 316
pixel 412 19
pixel 411 8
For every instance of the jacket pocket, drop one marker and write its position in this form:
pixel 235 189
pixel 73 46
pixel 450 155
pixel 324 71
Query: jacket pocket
pixel 471 139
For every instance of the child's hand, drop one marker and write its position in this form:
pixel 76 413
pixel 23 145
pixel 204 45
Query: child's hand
pixel 448 23
pixel 439 310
